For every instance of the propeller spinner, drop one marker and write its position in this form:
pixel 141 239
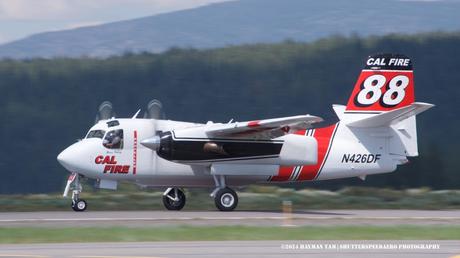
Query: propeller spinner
pixel 154 111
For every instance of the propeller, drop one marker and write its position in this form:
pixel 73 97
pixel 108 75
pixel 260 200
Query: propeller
pixel 154 110
pixel 105 111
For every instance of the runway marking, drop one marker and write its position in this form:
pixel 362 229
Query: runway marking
pixel 229 218
pixel 23 255
pixel 136 219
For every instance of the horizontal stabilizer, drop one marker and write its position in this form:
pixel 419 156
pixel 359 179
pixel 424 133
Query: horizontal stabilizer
pixel 393 116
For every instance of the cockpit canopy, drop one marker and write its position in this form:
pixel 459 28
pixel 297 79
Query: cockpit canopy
pixel 112 139
pixel 95 134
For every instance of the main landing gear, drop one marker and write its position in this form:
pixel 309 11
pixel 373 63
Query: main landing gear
pixel 174 199
pixel 225 198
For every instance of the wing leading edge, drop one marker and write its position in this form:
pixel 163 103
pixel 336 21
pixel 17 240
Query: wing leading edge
pixel 286 124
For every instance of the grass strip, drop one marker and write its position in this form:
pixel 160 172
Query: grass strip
pixel 209 233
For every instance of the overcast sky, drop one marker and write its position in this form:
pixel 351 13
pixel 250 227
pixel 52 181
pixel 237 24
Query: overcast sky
pixel 20 18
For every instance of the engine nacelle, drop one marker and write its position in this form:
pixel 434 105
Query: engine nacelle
pixel 298 150
pixel 288 150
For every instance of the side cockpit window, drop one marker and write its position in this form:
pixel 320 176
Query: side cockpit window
pixel 114 139
pixel 95 134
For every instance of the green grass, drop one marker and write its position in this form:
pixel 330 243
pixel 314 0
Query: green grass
pixel 128 197
pixel 204 233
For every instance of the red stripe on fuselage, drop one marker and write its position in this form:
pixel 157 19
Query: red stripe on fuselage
pixel 284 173
pixel 135 153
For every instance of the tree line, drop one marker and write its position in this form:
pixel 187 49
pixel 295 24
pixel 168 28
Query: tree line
pixel 47 104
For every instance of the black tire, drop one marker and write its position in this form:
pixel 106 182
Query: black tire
pixel 175 205
pixel 226 199
pixel 79 205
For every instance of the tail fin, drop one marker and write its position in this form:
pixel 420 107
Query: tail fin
pixel 383 97
pixel 385 83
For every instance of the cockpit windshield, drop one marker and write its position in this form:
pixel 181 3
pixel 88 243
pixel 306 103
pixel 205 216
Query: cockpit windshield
pixel 95 134
pixel 114 139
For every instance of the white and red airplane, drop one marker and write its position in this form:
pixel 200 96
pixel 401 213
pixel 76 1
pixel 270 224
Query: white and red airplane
pixel 376 132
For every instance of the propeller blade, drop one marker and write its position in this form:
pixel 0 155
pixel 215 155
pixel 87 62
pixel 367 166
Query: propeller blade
pixel 154 110
pixel 105 111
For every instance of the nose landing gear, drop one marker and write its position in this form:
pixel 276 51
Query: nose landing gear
pixel 77 203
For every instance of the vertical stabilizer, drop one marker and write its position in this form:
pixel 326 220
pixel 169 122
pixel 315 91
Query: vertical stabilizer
pixel 385 83
pixel 383 97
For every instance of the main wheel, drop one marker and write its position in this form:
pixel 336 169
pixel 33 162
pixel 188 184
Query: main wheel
pixel 174 204
pixel 79 205
pixel 226 199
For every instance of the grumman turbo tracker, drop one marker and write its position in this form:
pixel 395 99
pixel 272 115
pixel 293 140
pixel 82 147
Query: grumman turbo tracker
pixel 375 133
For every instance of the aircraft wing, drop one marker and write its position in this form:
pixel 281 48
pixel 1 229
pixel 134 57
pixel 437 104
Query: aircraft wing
pixel 255 127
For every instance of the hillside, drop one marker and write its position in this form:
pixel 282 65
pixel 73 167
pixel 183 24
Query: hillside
pixel 47 104
pixel 242 22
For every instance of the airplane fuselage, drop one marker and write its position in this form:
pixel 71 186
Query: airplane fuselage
pixel 340 154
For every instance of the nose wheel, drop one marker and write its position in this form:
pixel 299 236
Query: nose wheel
pixel 73 182
pixel 79 205
pixel 174 199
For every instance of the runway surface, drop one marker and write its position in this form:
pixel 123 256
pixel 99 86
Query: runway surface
pixel 301 248
pixel 226 249
pixel 258 218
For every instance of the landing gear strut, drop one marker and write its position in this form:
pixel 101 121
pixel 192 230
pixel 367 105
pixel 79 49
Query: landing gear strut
pixel 174 199
pixel 224 197
pixel 77 203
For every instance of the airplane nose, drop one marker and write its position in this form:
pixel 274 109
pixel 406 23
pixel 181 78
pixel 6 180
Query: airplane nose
pixel 69 158
pixel 63 157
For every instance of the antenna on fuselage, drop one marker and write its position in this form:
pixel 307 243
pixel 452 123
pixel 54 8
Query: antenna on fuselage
pixel 135 115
